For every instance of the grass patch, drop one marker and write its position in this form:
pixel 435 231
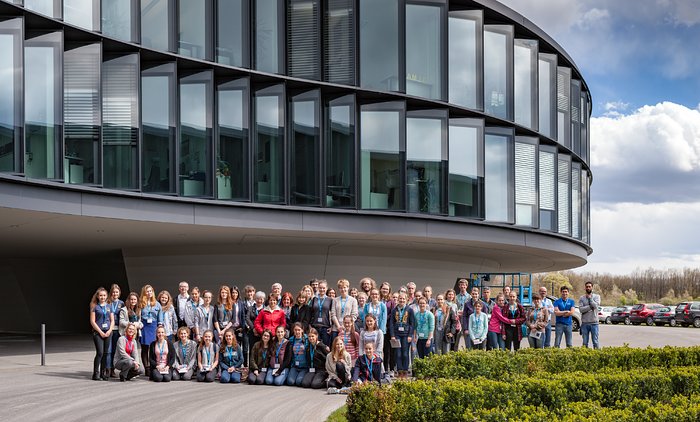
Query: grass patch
pixel 339 415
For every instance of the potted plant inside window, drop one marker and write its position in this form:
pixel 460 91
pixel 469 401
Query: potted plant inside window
pixel 223 179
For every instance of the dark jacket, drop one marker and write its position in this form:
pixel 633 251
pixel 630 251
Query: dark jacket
pixel 236 359
pixel 320 352
pixel 408 322
pixel 250 319
pixel 469 309
pixel 222 318
pixel 288 356
pixel 301 314
pixel 362 373
pixel 448 325
pixel 152 354
pixel 325 313
pixel 519 318
pixel 259 357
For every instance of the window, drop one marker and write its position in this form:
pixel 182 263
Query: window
pixel 576 116
pixel 158 117
pixel 379 45
pixel 498 71
pixel 43 106
pixel 585 121
pixel 498 164
pixel 269 36
pixel 82 108
pixel 305 149
pixel 194 24
pixel 157 27
pixel 120 122
pixel 51 8
pixel 339 42
pixel 82 13
pixel 585 206
pixel 564 106
pixel 382 148
pixel 424 41
pixel 118 17
pixel 547 97
pixel 564 194
pixel 232 29
pixel 195 162
pixel 340 153
pixel 576 202
pixel 548 187
pixel 525 85
pixel 465 52
pixel 526 210
pixel 269 145
pixel 232 160
pixel 11 95
pixel 466 165
pixel 304 39
pixel 426 161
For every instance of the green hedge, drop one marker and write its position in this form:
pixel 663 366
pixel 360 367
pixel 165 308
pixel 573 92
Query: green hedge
pixel 469 364
pixel 538 396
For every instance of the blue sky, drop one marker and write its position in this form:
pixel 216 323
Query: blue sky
pixel 641 60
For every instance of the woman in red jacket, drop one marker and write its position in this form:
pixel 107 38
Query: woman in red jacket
pixel 271 317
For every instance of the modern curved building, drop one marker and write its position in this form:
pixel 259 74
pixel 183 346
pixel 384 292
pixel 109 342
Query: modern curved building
pixel 256 141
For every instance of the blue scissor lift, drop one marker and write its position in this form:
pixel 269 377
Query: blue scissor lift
pixel 520 283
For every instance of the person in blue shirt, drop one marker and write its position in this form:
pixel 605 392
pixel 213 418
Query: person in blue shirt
pixel 300 360
pixel 116 306
pixel 461 299
pixel 230 358
pixel 102 322
pixel 151 316
pixel 478 327
pixel 401 329
pixel 425 326
pixel 563 309
pixel 377 308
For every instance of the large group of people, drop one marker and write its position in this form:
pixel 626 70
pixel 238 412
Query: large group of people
pixel 320 338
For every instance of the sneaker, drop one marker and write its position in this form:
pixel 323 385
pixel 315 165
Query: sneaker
pixel 122 376
pixel 344 390
pixel 333 390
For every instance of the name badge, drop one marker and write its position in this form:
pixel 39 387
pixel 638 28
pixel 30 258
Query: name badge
pixel 296 363
pixel 277 365
pixel 235 354
pixel 104 326
pixel 205 369
pixel 182 370
pixel 401 328
pixel 149 321
pixel 312 370
pixel 320 320
pixel 263 370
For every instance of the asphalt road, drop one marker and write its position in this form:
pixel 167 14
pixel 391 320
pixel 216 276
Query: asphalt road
pixel 62 390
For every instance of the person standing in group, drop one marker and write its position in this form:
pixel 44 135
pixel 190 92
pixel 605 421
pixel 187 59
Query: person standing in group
pixel 512 330
pixel 207 357
pixel 162 355
pixel 248 302
pixel 411 292
pixel 478 327
pixel 371 334
pixel 280 359
pixel 193 304
pixel 204 318
pixel 127 359
pixel 331 293
pixel 425 327
pixel 185 356
pixel 549 305
pixel 180 303
pixel 314 283
pixel 130 313
pixel 116 306
pixel 564 308
pixel 301 311
pixel 588 304
pixel 389 303
pixel 351 339
pixel 428 295
pixel 486 298
pixel 445 325
pixel 536 323
pixel 401 328
pixel 260 359
pixel 368 367
pixel 101 321
pixel 238 316
pixel 271 317
pixel 376 307
pixel 321 312
pixel 367 284
pixel 495 338
pixel 151 316
pixel 230 358
pixel 301 361
pixel 344 305
pixel 467 310
pixel 461 299
pixel 169 316
pixel 252 315
pixel 317 352
pixel 338 367
pixel 223 313
pixel 361 312
pixel 276 289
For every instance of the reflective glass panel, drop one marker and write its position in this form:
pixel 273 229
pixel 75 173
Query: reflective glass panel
pixel 564 106
pixel 50 8
pixel 379 45
pixel 120 122
pixel 498 176
pixel 340 153
pixel 232 157
pixel 156 18
pixel 426 162
pixel 339 42
pixel 269 145
pixel 192 28
pixel 465 58
pixel 232 32
pixel 81 107
pixel 576 200
pixel 576 116
pixel 117 19
pixel 525 85
pixel 159 126
pixel 564 194
pixel 82 13
pixel 548 188
pixel 305 178
pixel 10 94
pixel 547 95
pixel 196 101
pixel 526 210
pixel 269 36
pixel 498 53
pixel 466 165
pixel 304 39
pixel 423 50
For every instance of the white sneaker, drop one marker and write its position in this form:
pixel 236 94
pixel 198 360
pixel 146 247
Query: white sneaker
pixel 344 390
pixel 333 390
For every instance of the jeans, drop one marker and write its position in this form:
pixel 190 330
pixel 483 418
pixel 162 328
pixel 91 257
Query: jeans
pixel 442 346
pixel 512 337
pixel 423 350
pixel 536 343
pixel 591 329
pixel 257 379
pixel 233 377
pixel 296 376
pixel 495 341
pixel 402 354
pixel 388 354
pixel 272 379
pixel 315 380
pixel 112 348
pixel 560 329
pixel 324 336
pixel 548 335
pixel 101 349
pixel 207 376
pixel 158 377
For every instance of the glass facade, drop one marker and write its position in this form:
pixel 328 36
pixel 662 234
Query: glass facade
pixel 498 71
pixel 426 161
pixel 232 169
pixel 547 98
pixel 525 83
pixel 157 24
pixel 158 117
pixel 526 210
pixel 305 149
pixel 498 180
pixel 194 22
pixel 118 19
pixel 196 122
pixel 382 151
pixel 548 187
pixel 232 29
pixel 82 114
pixel 43 106
pixel 379 45
pixel 269 36
pixel 576 200
pixel 576 116
pixel 82 13
pixel 465 51
pixel 303 39
pixel 340 153
pixel 466 168
pixel 564 194
pixel 50 8
pixel 269 157
pixel 11 67
pixel 564 106
pixel 339 41
pixel 120 122
pixel 424 63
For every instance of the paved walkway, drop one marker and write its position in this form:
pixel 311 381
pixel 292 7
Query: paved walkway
pixel 62 390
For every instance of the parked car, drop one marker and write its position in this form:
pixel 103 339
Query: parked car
pixel 621 314
pixel 604 314
pixel 644 313
pixel 665 315
pixel 688 313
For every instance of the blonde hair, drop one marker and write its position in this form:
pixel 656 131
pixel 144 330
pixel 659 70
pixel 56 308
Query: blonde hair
pixel 95 300
pixel 343 283
pixel 169 304
pixel 143 301
pixel 338 354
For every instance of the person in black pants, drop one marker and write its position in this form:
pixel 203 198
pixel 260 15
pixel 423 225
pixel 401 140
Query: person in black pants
pixel 102 322
pixel 316 377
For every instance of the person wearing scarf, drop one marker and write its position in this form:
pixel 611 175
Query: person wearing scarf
pixel 127 358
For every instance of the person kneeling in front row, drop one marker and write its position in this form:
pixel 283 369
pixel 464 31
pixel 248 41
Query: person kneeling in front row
pixel 338 366
pixel 127 358
pixel 368 367
pixel 185 355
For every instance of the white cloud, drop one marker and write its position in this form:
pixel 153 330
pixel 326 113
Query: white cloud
pixel 626 236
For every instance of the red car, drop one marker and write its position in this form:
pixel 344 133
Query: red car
pixel 644 313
